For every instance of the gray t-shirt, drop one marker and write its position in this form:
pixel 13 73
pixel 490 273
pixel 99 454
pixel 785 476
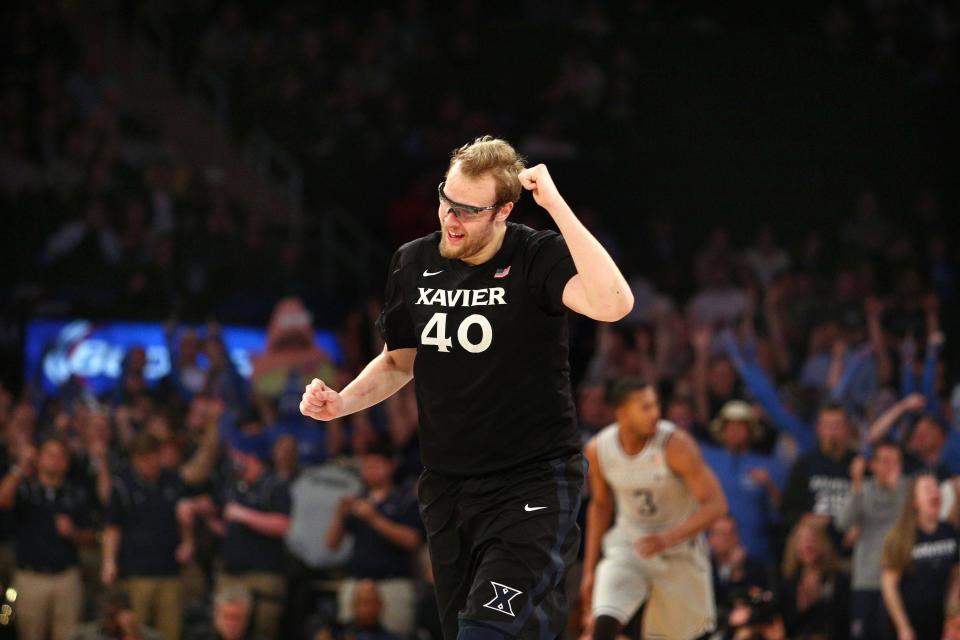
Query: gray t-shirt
pixel 874 509
pixel 316 493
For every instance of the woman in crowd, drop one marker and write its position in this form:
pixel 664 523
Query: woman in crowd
pixel 815 591
pixel 919 564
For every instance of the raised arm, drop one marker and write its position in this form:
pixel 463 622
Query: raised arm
pixel 684 459
pixel 702 337
pixel 379 380
pixel 890 589
pixel 882 425
pixel 598 290
pixel 760 385
pixel 772 315
pixel 197 469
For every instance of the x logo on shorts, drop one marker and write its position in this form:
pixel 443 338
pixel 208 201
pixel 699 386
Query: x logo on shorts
pixel 502 595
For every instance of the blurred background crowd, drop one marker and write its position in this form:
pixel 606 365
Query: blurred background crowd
pixel 773 180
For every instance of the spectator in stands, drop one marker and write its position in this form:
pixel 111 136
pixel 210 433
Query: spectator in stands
pixel 232 610
pixel 867 514
pixel 819 481
pixel 815 591
pixel 925 441
pixel 285 457
pixel 919 563
pixel 365 623
pixel 750 481
pixel 186 378
pixel 765 259
pixel 734 570
pixel 291 359
pixel 117 620
pixel 255 512
pixel 148 535
pixel 223 381
pixel 386 527
pixel 133 380
pixel 715 381
pixel 51 520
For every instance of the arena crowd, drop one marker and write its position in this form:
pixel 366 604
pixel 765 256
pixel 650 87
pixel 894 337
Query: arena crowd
pixel 814 367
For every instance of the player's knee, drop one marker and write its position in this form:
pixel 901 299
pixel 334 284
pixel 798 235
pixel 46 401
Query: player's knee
pixel 469 631
pixel 606 628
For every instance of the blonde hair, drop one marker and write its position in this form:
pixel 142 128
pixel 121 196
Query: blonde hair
pixel 898 545
pixel 494 156
pixel 827 562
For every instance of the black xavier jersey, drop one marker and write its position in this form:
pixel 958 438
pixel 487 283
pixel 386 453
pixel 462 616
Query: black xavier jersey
pixel 491 373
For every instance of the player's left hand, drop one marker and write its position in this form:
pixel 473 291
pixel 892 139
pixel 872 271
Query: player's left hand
pixel 537 180
pixel 649 546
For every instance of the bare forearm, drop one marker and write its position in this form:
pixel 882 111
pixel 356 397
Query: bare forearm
pixel 104 483
pixel 400 535
pixel 882 425
pixel 185 521
pixel 335 533
pixel 606 289
pixel 198 468
pixel 379 380
pixel 891 598
pixel 698 522
pixel 273 525
pixel 111 544
pixel 8 490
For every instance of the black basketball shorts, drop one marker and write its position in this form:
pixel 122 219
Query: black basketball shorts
pixel 500 545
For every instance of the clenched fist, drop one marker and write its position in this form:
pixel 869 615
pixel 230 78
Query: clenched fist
pixel 321 402
pixel 537 180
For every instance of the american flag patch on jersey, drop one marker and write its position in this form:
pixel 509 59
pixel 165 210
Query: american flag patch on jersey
pixel 502 273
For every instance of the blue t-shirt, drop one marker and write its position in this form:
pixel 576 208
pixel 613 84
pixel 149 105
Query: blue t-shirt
pixel 747 501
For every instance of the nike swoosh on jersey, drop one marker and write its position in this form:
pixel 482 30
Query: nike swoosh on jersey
pixel 427 273
pixel 527 507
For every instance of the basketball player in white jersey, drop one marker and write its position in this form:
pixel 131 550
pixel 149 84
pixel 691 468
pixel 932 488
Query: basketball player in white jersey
pixel 650 474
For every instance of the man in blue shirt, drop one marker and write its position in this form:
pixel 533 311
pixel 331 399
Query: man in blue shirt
pixel 750 481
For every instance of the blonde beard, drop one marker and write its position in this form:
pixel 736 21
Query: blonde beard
pixel 470 248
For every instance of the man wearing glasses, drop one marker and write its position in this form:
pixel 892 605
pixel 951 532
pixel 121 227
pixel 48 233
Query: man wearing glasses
pixel 476 314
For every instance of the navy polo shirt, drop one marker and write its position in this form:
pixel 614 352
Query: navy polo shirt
pixel 373 555
pixel 39 546
pixel 243 548
pixel 146 514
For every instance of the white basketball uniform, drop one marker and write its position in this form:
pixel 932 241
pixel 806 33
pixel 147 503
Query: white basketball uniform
pixel 649 498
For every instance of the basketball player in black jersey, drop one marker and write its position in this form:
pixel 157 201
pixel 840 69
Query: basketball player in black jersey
pixel 475 313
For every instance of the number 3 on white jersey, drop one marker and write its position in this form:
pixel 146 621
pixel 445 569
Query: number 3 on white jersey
pixel 439 339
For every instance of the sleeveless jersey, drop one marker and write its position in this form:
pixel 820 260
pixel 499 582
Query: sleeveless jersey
pixel 649 497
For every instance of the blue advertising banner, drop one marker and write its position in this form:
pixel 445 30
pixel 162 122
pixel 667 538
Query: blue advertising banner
pixel 93 351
